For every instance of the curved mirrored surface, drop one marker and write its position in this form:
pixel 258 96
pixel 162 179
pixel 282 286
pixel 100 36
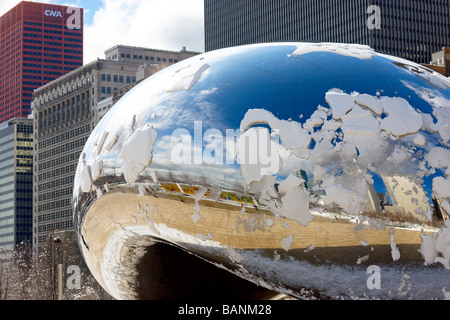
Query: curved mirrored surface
pixel 304 169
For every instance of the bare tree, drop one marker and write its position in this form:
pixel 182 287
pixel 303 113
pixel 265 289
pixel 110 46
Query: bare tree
pixel 5 272
pixel 27 277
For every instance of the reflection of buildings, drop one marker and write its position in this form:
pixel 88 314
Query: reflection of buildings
pixel 301 174
pixel 374 201
pixel 407 197
pixel 403 197
pixel 16 175
pixel 311 186
pixel 441 213
pixel 65 112
pixel 440 61
pixel 406 29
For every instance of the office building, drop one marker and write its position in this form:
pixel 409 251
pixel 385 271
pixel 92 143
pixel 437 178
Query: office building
pixel 16 176
pixel 65 111
pixel 39 43
pixel 440 61
pixel 162 58
pixel 409 29
pixel 407 197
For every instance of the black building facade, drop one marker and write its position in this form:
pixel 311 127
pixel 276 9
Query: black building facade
pixel 411 29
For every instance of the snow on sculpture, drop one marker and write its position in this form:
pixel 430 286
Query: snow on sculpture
pixel 335 159
pixel 137 152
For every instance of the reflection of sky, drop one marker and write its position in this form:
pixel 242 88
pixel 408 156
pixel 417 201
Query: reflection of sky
pixel 269 78
pixel 433 96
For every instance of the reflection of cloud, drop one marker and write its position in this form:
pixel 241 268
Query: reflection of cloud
pixel 220 174
pixel 211 148
pixel 434 97
pixel 172 110
pixel 208 91
pixel 149 23
pixel 227 175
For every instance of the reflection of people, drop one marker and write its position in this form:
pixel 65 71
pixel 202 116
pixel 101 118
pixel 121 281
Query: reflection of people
pixel 384 201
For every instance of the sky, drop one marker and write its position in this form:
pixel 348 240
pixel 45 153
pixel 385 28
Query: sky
pixel 156 24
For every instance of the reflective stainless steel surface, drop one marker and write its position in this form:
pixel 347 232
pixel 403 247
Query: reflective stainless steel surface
pixel 307 169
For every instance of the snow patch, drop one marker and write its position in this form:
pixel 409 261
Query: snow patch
pixel 234 255
pixel 362 52
pixel 137 152
pixel 340 102
pixel 438 157
pixel 258 154
pixel 436 247
pixel 402 119
pixel 86 178
pixel 292 135
pixel 185 77
pixel 394 250
pixel 419 140
pixel 443 122
pixel 295 202
pixel 441 187
pixel 370 102
pixel 100 141
pixel 287 242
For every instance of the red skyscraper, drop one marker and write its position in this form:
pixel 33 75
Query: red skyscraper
pixel 38 43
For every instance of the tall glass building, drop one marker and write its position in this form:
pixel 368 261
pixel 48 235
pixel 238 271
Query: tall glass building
pixel 411 29
pixel 16 182
pixel 39 42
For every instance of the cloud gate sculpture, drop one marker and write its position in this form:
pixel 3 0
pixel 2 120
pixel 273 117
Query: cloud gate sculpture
pixel 313 170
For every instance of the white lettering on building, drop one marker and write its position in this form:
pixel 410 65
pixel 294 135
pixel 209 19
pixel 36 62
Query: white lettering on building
pixel 51 13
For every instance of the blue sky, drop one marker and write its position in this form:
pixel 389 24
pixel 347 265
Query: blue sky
pixel 90 6
pixel 158 24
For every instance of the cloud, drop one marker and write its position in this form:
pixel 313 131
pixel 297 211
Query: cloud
pixel 166 25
